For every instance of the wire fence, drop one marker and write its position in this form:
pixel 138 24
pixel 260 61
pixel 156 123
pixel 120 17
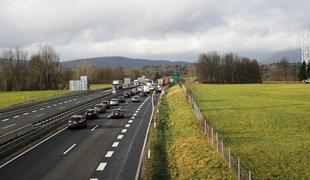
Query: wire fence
pixel 211 133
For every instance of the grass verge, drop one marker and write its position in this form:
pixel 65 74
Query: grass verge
pixel 178 148
pixel 99 86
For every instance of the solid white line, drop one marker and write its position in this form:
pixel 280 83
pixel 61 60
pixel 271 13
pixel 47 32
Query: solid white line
pixel 94 128
pixel 130 121
pixel 115 144
pixel 109 154
pixel 69 149
pixel 124 130
pixel 101 166
pixel 127 125
pixel 40 115
pixel 120 136
pixel 5 119
pixel 16 116
pixel 9 126
pixel 32 148
pixel 25 114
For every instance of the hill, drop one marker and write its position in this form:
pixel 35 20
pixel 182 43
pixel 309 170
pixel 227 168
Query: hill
pixel 292 55
pixel 115 61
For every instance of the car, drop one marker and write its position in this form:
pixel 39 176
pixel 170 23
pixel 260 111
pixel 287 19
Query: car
pixel 140 88
pixel 152 88
pixel 143 94
pixel 135 99
pixel 131 93
pixel 117 113
pixel 77 121
pixel 126 95
pixel 100 108
pixel 158 89
pixel 114 102
pixel 91 114
pixel 121 99
pixel 106 104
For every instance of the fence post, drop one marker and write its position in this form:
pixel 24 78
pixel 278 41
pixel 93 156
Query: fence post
pixel 217 141
pixel 205 127
pixel 222 144
pixel 212 134
pixel 238 168
pixel 229 162
pixel 250 176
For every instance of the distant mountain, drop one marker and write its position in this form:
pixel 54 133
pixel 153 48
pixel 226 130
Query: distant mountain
pixel 115 61
pixel 293 55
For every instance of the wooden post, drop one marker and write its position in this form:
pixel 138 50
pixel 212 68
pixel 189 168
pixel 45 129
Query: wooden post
pixel 229 162
pixel 205 127
pixel 212 135
pixel 250 176
pixel 238 168
pixel 222 148
pixel 217 141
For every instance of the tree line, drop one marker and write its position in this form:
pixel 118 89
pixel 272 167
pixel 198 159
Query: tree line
pixel 228 68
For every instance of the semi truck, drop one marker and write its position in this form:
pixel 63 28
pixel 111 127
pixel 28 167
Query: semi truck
pixel 117 84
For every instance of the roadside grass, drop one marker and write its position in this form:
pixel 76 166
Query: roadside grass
pixel 179 148
pixel 17 97
pixel 266 125
pixel 99 86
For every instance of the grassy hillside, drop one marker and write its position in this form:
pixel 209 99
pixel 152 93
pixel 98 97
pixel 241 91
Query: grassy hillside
pixel 16 97
pixel 179 149
pixel 267 125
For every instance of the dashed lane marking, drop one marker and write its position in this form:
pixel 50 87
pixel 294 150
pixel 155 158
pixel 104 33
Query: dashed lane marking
pixel 16 117
pixel 25 114
pixel 124 130
pixel 34 111
pixel 109 154
pixel 130 121
pixel 5 119
pixel 100 168
pixel 127 125
pixel 120 136
pixel 40 115
pixel 94 128
pixel 42 109
pixel 115 144
pixel 69 149
pixel 134 114
pixel 9 126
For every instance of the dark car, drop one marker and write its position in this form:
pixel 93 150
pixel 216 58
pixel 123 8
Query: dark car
pixel 135 99
pixel 106 104
pixel 131 93
pixel 143 94
pixel 121 99
pixel 91 114
pixel 77 121
pixel 126 95
pixel 100 108
pixel 117 113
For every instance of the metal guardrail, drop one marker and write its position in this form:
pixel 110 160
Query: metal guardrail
pixel 43 127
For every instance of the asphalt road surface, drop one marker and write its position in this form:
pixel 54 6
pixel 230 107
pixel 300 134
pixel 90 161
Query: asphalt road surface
pixel 106 149
pixel 9 124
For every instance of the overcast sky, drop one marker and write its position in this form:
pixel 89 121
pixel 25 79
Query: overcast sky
pixel 156 29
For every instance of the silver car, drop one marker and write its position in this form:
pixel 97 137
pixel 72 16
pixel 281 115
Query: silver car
pixel 114 102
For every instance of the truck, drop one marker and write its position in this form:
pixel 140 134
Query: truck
pixel 146 89
pixel 117 84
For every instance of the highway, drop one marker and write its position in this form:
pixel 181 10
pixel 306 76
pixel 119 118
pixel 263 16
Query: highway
pixel 106 149
pixel 37 113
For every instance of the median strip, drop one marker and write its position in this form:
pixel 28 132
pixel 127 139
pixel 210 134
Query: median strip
pixel 69 149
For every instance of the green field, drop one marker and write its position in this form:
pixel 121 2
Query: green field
pixel 179 148
pixel 99 86
pixel 267 125
pixel 17 97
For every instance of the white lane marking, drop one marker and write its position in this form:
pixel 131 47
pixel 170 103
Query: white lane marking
pixel 9 126
pixel 101 166
pixel 115 144
pixel 65 102
pixel 127 125
pixel 69 149
pixel 25 114
pixel 130 121
pixel 62 107
pixel 48 107
pixel 32 147
pixel 5 119
pixel 70 100
pixel 136 111
pixel 109 154
pixel 77 102
pixel 74 99
pixel 93 179
pixel 120 136
pixel 40 115
pixel 60 103
pixel 88 98
pixel 132 117
pixel 134 114
pixel 42 109
pixel 34 111
pixel 124 130
pixel 54 105
pixel 94 128
pixel 109 115
pixel 16 116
